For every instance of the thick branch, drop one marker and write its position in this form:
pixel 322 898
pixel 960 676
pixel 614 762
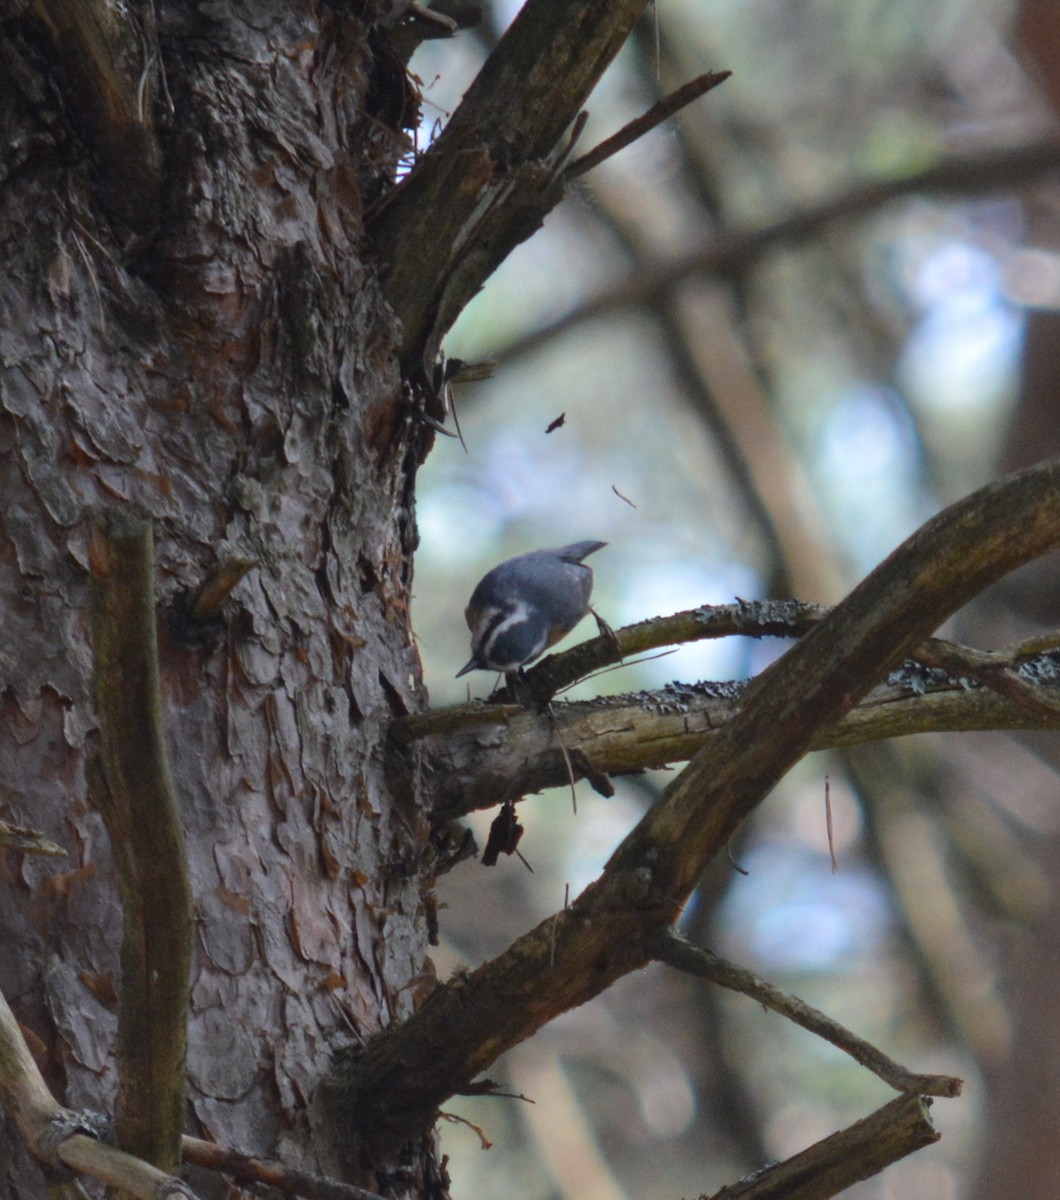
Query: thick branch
pixel 831 1166
pixel 483 755
pixel 486 183
pixel 139 806
pixel 519 752
pixel 933 573
pixel 107 56
pixel 391 1090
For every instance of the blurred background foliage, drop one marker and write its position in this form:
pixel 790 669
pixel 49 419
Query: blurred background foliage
pixel 762 406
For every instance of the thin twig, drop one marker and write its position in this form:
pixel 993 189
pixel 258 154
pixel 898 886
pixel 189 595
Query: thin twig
pixel 455 1119
pixel 28 841
pixel 618 666
pixel 576 130
pixel 695 960
pixel 566 757
pixel 659 112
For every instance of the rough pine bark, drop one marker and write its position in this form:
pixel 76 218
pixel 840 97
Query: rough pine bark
pixel 215 353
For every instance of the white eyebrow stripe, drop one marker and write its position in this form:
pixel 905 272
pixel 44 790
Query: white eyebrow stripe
pixel 502 620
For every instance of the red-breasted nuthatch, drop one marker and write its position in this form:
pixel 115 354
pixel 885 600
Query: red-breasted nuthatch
pixel 527 604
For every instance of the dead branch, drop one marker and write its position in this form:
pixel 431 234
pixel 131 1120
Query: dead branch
pixel 56 1136
pixel 28 841
pixel 515 754
pixel 250 1168
pixel 831 1166
pixel 659 112
pixel 390 1090
pixel 208 599
pixel 138 804
pixel 695 960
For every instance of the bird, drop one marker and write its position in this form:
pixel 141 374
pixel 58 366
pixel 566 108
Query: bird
pixel 526 604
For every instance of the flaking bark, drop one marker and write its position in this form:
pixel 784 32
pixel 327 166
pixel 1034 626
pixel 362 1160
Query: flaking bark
pixel 234 380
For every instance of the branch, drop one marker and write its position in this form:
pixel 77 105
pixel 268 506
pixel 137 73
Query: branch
pixel 250 1168
pixel 674 950
pixel 483 755
pixel 746 618
pixel 486 182
pixel 56 1137
pixel 991 669
pixel 737 250
pixel 139 807
pixel 107 51
pixel 659 112
pixel 28 841
pixel 390 1091
pixel 519 753
pixel 834 1164
pixel 945 563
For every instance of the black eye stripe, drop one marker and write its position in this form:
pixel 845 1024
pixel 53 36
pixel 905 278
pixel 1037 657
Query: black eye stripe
pixel 490 628
pixel 499 623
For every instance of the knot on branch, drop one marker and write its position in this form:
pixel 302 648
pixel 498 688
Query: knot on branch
pixel 63 1125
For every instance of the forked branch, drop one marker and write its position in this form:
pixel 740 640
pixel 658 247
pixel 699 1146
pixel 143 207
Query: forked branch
pixel 56 1136
pixel 487 183
pixel 486 754
pixel 391 1090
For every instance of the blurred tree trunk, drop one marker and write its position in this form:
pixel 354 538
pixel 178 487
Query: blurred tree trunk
pixel 1022 1152
pixel 205 344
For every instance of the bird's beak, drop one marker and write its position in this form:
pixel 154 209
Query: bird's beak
pixel 471 666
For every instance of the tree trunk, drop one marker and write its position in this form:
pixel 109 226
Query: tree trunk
pixel 207 346
pixel 220 331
